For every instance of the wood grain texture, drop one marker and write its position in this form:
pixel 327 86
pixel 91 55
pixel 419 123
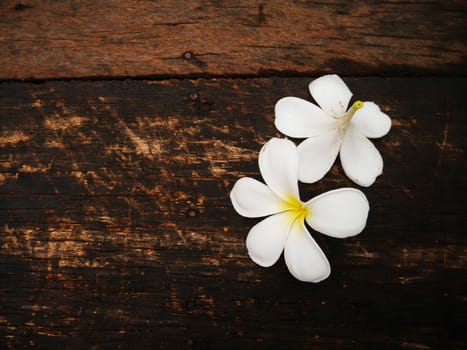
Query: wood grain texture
pixel 42 39
pixel 117 230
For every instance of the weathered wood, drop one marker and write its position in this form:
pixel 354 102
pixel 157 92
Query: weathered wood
pixel 117 230
pixel 66 39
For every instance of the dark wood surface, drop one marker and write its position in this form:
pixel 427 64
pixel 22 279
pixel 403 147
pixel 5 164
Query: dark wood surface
pixel 65 39
pixel 116 230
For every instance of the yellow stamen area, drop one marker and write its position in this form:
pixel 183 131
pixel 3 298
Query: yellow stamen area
pixel 358 104
pixel 296 208
pixel 293 203
pixel 302 212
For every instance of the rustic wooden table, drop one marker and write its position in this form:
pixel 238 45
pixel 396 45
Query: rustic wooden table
pixel 124 125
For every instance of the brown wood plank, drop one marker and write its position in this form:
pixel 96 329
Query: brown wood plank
pixel 67 39
pixel 116 230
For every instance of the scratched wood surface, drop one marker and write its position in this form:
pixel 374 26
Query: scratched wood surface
pixel 64 39
pixel 116 230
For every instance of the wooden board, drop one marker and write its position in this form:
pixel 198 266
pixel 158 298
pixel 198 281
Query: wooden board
pixel 129 38
pixel 117 230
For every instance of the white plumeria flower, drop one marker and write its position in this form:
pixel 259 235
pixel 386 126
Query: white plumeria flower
pixel 333 128
pixel 339 213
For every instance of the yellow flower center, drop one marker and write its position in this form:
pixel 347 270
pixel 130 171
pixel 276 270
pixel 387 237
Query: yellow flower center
pixel 358 104
pixel 296 208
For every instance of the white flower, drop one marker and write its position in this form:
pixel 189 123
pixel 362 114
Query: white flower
pixel 331 129
pixel 339 213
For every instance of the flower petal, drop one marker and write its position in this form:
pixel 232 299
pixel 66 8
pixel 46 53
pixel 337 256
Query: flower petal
pixel 253 199
pixel 278 164
pixel 303 257
pixel 370 121
pixel 360 159
pixel 266 240
pixel 296 117
pixel 339 213
pixel 331 93
pixel 316 156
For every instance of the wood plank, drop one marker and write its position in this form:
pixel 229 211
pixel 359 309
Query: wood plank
pixel 117 230
pixel 128 38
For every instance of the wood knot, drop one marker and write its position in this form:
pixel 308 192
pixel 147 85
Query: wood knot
pixel 188 55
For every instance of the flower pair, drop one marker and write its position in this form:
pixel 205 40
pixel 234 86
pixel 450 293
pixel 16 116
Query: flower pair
pixel 338 213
